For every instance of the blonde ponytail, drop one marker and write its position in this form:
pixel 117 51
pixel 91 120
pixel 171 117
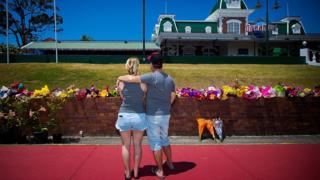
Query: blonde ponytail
pixel 132 66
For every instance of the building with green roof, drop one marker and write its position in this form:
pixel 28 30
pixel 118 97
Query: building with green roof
pixel 228 32
pixel 91 47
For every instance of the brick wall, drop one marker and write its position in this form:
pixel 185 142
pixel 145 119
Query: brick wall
pixel 242 26
pixel 275 116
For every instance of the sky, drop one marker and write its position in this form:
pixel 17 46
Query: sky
pixel 122 19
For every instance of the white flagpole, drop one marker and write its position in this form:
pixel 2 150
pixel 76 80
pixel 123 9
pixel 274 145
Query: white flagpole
pixel 7 31
pixel 288 14
pixel 55 29
pixel 166 7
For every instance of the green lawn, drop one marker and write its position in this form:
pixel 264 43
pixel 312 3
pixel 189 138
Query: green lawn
pixel 35 75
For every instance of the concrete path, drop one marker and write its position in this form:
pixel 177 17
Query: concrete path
pixel 193 140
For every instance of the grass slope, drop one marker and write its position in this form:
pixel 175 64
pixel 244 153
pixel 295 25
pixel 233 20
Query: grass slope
pixel 35 75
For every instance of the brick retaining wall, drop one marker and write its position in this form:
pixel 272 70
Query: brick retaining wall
pixel 275 116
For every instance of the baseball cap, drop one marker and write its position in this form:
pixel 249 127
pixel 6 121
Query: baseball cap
pixel 155 59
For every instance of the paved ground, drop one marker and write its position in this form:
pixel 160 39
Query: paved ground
pixel 192 162
pixel 193 140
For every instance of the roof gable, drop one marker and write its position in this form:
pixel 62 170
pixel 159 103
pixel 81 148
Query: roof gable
pixel 228 4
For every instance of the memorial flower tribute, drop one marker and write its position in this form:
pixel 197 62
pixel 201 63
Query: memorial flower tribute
pixel 250 92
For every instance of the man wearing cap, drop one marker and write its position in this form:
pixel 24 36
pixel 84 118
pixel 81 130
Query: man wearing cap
pixel 160 95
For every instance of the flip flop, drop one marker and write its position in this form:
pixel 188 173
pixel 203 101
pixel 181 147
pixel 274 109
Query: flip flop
pixel 171 168
pixel 154 172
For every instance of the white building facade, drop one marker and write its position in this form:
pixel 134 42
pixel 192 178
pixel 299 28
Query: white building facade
pixel 227 32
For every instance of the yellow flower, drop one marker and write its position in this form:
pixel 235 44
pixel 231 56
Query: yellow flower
pixel 307 90
pixel 241 91
pixel 63 95
pixel 103 93
pixel 71 91
pixel 227 90
pixel 41 93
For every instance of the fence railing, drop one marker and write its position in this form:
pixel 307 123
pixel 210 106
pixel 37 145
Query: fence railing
pixel 121 59
pixel 312 57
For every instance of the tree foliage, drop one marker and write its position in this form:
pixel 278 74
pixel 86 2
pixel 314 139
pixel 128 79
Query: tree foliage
pixel 85 38
pixel 28 19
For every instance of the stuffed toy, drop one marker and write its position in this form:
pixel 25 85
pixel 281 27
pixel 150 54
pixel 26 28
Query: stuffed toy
pixel 205 123
pixel 218 127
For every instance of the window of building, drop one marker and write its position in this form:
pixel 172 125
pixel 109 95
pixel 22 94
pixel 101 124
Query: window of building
pixel 188 50
pixel 275 31
pixel 167 26
pixel 208 29
pixel 233 3
pixel 243 51
pixel 208 51
pixel 233 26
pixel 296 28
pixel 187 29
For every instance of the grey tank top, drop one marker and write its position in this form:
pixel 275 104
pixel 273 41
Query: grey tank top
pixel 132 98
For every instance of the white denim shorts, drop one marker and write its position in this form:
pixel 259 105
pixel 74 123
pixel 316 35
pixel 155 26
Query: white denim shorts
pixel 157 131
pixel 131 121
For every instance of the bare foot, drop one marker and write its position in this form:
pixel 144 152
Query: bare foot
pixel 158 173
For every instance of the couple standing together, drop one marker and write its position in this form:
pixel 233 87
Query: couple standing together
pixel 146 105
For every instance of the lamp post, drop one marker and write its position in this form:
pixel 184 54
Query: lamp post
pixel 55 29
pixel 144 29
pixel 7 31
pixel 276 6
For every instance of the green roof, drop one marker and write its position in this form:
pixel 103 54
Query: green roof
pixel 282 28
pixel 164 20
pixel 197 27
pixel 92 45
pixel 224 5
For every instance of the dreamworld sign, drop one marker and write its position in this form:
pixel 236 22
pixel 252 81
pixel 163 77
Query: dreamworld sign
pixel 259 27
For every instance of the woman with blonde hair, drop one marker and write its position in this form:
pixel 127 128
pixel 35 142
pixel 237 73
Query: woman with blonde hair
pixel 131 118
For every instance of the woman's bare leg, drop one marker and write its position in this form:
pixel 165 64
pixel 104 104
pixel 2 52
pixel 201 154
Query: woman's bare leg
pixel 126 141
pixel 137 142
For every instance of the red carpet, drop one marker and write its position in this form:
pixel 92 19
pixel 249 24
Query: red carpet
pixel 283 161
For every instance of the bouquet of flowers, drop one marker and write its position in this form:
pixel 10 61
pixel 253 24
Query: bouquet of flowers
pixel 43 92
pixel 252 93
pixel 213 93
pixel 267 92
pixel 228 91
pixel 280 91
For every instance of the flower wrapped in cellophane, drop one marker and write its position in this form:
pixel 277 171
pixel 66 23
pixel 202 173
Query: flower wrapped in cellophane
pixel 241 91
pixel 228 91
pixel 213 93
pixel 253 92
pixel 280 90
pixel 43 92
pixel 268 92
pixel 59 93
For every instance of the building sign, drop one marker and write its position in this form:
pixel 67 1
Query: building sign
pixel 259 27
